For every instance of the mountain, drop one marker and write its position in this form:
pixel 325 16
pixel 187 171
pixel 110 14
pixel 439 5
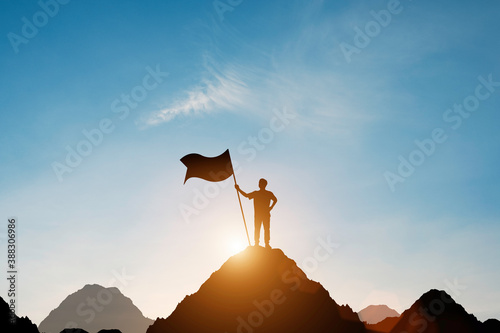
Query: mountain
pixel 376 313
pixel 19 325
pixel 385 325
pixel 93 308
pixel 259 290
pixel 436 312
pixel 491 325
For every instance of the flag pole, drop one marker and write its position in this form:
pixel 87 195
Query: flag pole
pixel 241 207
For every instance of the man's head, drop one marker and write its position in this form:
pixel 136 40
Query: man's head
pixel 262 183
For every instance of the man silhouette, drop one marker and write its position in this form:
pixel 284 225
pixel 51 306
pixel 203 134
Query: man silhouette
pixel 262 209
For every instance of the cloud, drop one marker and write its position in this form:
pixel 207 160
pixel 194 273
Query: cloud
pixel 223 91
pixel 299 73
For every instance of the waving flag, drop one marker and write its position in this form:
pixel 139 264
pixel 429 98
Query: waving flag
pixel 213 169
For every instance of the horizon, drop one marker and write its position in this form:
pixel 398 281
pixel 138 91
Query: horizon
pixel 236 254
pixel 373 123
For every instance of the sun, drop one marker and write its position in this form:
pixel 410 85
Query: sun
pixel 236 246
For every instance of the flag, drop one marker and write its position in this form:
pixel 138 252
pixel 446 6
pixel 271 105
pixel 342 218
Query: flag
pixel 213 169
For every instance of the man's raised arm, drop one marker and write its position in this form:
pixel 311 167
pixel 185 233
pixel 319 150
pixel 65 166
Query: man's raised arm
pixel 237 187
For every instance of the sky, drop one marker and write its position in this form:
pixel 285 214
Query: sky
pixel 374 122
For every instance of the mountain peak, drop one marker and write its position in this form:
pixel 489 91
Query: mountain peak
pixel 262 289
pixel 95 307
pixel 14 324
pixel 436 311
pixel 373 314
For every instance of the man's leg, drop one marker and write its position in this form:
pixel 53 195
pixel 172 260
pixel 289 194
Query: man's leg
pixel 256 234
pixel 267 230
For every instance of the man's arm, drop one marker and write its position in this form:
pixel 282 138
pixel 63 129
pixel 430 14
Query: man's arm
pixel 274 199
pixel 237 187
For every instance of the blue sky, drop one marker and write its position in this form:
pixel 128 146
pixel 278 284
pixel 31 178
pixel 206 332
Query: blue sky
pixel 270 81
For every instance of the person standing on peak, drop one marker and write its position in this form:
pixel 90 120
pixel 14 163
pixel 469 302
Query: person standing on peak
pixel 262 209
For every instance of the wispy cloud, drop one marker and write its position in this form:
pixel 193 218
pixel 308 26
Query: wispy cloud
pixel 220 91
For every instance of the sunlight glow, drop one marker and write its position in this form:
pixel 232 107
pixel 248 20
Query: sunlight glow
pixel 236 246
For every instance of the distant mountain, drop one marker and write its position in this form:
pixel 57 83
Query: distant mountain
pixel 376 313
pixel 20 325
pixel 259 290
pixel 94 308
pixel 385 325
pixel 436 312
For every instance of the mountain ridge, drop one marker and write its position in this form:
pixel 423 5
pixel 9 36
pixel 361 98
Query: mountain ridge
pixel 436 311
pixel 256 290
pixel 16 324
pixel 94 308
pixel 259 289
pixel 373 314
pixel 262 290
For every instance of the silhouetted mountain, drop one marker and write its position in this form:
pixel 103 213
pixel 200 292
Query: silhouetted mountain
pixel 491 325
pixel 110 331
pixel 20 325
pixel 259 290
pixel 376 313
pixel 93 308
pixel 385 325
pixel 436 312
